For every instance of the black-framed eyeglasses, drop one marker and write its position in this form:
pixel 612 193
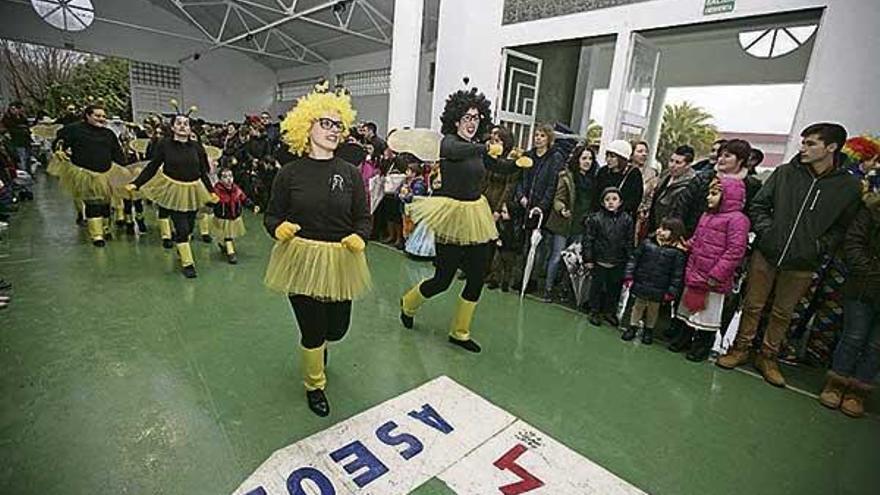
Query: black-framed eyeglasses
pixel 328 124
pixel 470 117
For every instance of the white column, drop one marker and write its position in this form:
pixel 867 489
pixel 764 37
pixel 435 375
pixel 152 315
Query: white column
pixel 841 84
pixel 653 135
pixel 468 45
pixel 616 87
pixel 406 48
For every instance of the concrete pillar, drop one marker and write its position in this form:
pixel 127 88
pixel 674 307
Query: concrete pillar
pixel 588 70
pixel 652 137
pixel 405 52
pixel 468 44
pixel 839 81
pixel 616 87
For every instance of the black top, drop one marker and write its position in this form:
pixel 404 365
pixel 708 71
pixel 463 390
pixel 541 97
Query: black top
pixel 461 167
pixel 326 198
pixel 628 180
pixel 184 162
pixel 92 148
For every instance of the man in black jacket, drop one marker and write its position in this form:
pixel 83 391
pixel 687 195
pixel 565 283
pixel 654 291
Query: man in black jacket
pixel 801 212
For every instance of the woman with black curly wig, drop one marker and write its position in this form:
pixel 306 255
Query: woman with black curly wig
pixel 458 214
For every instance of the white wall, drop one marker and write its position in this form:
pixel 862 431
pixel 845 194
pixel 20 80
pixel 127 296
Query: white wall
pixel 223 83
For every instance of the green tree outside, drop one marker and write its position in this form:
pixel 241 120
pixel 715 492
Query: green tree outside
pixel 685 123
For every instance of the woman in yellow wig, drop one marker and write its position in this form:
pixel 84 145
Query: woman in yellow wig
pixel 318 214
pixel 89 172
pixel 458 214
pixel 176 179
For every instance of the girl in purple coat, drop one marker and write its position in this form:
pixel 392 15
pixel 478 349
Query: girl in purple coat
pixel 717 249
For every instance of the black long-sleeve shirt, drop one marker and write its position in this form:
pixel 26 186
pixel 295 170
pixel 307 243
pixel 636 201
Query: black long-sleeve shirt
pixel 181 161
pixel 461 167
pixel 325 197
pixel 92 148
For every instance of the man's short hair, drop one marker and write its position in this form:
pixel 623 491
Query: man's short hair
pixel 371 126
pixel 686 151
pixel 828 132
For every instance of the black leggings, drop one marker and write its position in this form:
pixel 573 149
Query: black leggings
pixel 97 209
pixel 473 260
pixel 182 221
pixel 320 321
pixel 605 289
pixel 137 204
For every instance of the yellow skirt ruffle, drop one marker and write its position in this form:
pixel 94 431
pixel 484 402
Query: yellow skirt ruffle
pixel 176 195
pixel 222 228
pixel 57 166
pixel 323 270
pixel 85 185
pixel 453 221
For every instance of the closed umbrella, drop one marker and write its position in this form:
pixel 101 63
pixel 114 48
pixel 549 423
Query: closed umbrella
pixel 533 249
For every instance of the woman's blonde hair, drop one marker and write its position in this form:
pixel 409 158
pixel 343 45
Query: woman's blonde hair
pixel 297 124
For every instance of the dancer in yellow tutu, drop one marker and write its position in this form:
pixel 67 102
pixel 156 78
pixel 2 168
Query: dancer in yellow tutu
pixel 319 215
pixel 459 216
pixel 90 172
pixel 176 179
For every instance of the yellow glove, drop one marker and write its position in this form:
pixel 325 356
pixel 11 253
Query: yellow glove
pixel 256 208
pixel 215 198
pixel 131 187
pixel 524 162
pixel 61 155
pixel 353 243
pixel 515 153
pixel 286 231
pixel 495 150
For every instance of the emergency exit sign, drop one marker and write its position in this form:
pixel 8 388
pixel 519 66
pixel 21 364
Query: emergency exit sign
pixel 718 6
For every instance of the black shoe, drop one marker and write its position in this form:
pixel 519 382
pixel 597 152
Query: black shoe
pixel 142 225
pixel 491 285
pixel 120 223
pixel 612 320
pixel 407 321
pixel 167 243
pixel 505 287
pixel 648 336
pixel 595 320
pixel 99 243
pixel 232 258
pixel 629 333
pixel 318 402
pixel 189 271
pixel 700 346
pixel 468 345
pixel 129 228
pixel 108 236
pixel 683 341
pixel 206 238
pixel 5 285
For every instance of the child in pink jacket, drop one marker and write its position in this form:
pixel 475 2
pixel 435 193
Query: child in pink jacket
pixel 716 251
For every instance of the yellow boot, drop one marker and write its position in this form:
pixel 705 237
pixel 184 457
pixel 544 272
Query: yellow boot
pixel 165 232
pixel 230 252
pixel 96 231
pixel 108 234
pixel 186 260
pixel 460 330
pixel 409 304
pixel 205 220
pixel 315 380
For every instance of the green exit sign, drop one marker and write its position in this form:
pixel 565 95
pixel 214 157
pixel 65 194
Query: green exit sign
pixel 718 6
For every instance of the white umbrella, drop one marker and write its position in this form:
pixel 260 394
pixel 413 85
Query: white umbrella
pixel 533 249
pixel 577 271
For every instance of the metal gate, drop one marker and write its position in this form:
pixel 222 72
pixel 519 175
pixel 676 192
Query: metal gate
pixel 520 80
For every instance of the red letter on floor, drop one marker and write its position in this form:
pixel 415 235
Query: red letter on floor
pixel 508 461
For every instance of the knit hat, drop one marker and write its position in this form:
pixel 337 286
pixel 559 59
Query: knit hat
pixel 620 148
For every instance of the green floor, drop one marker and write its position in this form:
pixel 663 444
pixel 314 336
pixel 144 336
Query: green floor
pixel 120 376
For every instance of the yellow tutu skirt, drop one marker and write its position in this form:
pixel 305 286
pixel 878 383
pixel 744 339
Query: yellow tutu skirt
pixel 86 185
pixel 222 228
pixel 176 195
pixel 453 221
pixel 57 165
pixel 323 270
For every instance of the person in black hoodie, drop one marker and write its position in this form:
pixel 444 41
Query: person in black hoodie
pixel 458 214
pixel 655 275
pixel 802 211
pixel 319 216
pixel 608 242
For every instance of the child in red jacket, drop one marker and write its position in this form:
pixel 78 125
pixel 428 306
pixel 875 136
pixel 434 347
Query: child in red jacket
pixel 228 224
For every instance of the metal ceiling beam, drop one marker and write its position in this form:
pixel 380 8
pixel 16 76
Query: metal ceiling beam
pixel 346 31
pixel 282 35
pixel 276 23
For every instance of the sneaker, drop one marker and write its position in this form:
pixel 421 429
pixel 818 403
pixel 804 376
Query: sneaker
pixel 189 271
pixel 468 345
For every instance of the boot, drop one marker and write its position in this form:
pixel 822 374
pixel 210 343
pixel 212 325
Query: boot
pixel 186 260
pixel 230 252
pixel 835 387
pixel 648 336
pixel 700 346
pixel 853 404
pixel 460 330
pixel 683 341
pixel 96 231
pixel 108 234
pixel 315 380
pixel 410 304
pixel 766 363
pixel 165 233
pixel 142 226
pixel 737 355
pixel 629 333
pixel 205 227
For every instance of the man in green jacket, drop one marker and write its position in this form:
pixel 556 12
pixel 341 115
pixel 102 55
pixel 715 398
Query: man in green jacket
pixel 801 212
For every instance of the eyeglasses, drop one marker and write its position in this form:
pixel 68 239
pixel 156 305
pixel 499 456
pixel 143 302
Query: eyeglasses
pixel 328 124
pixel 469 117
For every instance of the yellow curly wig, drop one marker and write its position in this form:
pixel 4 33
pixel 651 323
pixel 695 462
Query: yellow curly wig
pixel 297 123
